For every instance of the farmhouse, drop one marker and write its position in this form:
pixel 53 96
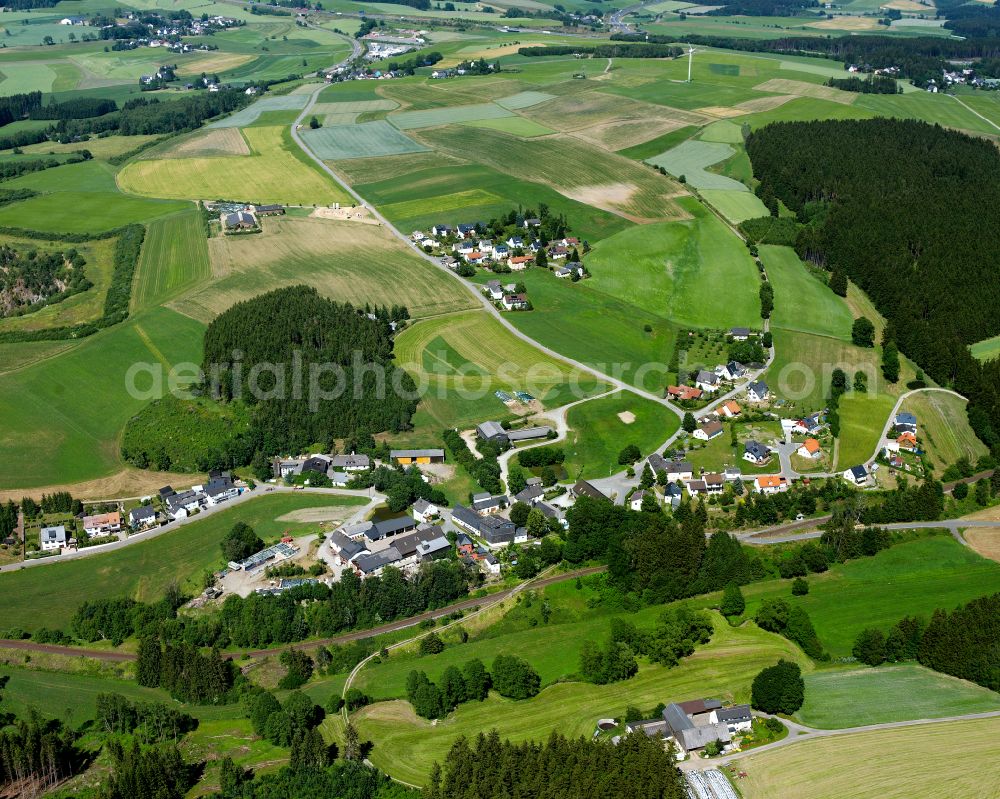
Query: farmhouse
pixel 737 718
pixel 371 565
pixel 405 457
pixel 103 523
pixel 758 391
pixel 346 550
pixel 486 503
pixel 810 449
pixel 53 538
pixel 142 517
pixel 707 381
pixel 350 463
pixel 498 531
pixel 424 510
pixel 491 431
pixel 756 453
pixel 529 495
pixel 239 220
pixel 858 475
pixel 684 392
pixel 770 484
pixel 319 464
pixel 466 518
pixel 390 527
pixel 519 263
pixel 689 725
pixel 708 431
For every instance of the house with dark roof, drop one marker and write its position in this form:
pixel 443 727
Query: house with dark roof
pixel 142 517
pixel 491 431
pixel 424 510
pixel 371 565
pixel 737 718
pixel 220 490
pixel 529 495
pixel 529 433
pixel 688 724
pixel 351 463
pixel 345 549
pixel 756 453
pixel 466 518
pixel 740 333
pixel 707 381
pixel 673 493
pixel 905 423
pixel 858 475
pixel 485 503
pixel 179 506
pixel 758 391
pixel 390 527
pixel 497 531
pixel 582 488
pixel 316 463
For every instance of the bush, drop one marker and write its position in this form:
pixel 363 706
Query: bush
pixel 431 644
pixel 800 587
pixel 514 677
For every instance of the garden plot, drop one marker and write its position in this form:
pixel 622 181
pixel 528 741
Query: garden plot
pixel 691 159
pixel 250 114
pixel 366 140
pixel 429 118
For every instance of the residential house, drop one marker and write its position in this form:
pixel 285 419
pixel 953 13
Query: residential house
pixel 220 490
pixel 740 333
pixel 758 391
pixel 516 302
pixel 691 730
pixel 466 230
pixel 810 449
pixel 494 290
pixel 905 423
pixel 477 258
pixel 684 392
pixel 423 510
pixel 103 523
pixel 737 718
pixel 770 484
pixel 582 488
pixel 463 248
pixel 732 474
pixel 351 463
pixel 530 495
pixel 672 493
pixel 239 220
pixel 707 381
pixel 288 468
pixel 708 431
pixel 497 531
pixel 53 538
pixel 345 549
pixel 501 252
pixel 530 223
pixel 491 565
pixel 405 457
pixel 442 230
pixel 733 370
pixel 756 453
pixel 372 564
pixel 715 483
pixel 319 464
pixel 433 549
pixel 520 262
pixel 486 503
pixel 907 442
pixel 180 506
pixel 696 487
pixel 635 501
pixel 339 479
pixel 515 243
pixel 558 253
pixel 858 475
pixel 466 518
pixel 142 517
pixel 563 271
pixel 730 409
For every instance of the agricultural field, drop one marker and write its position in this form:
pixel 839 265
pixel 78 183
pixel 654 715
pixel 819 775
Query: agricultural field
pixel 83 392
pixel 691 159
pixel 460 360
pixel 174 256
pixel 142 571
pixel 100 148
pixel 407 745
pixel 601 428
pixel 674 269
pixel 912 761
pixel 944 427
pixel 275 172
pixel 348 260
pixel 367 140
pixel 855 697
pixel 735 206
pixel 802 302
pixel 912 578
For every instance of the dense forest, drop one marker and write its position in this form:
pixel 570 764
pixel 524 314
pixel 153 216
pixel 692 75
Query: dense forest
pixel 31 279
pixel 637 768
pixel 872 84
pixel 763 8
pixel 913 217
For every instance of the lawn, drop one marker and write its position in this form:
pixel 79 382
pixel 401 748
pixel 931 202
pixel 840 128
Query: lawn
pixel 675 270
pixel 406 745
pixel 276 172
pixel 597 329
pixel 889 693
pixel 691 159
pixel 174 256
pixel 143 570
pixel 597 433
pixel 83 392
pixel 944 427
pixel 349 261
pixel 911 578
pixel 801 301
pixel 460 360
pixel 365 140
pixel 950 759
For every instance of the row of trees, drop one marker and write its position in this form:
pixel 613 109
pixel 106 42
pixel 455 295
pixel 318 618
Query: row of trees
pixel 185 671
pixel 434 700
pixel 485 470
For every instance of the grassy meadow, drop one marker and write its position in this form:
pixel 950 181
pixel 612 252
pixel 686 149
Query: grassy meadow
pixel 174 256
pixel 944 428
pixel 802 302
pixel 143 570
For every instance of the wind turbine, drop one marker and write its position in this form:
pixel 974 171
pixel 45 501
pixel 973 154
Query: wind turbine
pixel 690 59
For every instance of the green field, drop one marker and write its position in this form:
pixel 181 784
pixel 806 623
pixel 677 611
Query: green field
pixel 516 126
pixel 934 760
pixel 349 261
pixel 276 172
pixel 143 570
pixel 691 159
pixel 801 301
pixel 247 116
pixel 987 349
pixel 912 578
pixel 735 206
pixel 407 120
pixel 174 256
pixel 598 433
pixel 83 392
pixel 861 419
pixel 944 429
pixel 462 359
pixel 366 140
pixel 524 99
pixel 675 269
pixel 406 745
pixel 889 693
